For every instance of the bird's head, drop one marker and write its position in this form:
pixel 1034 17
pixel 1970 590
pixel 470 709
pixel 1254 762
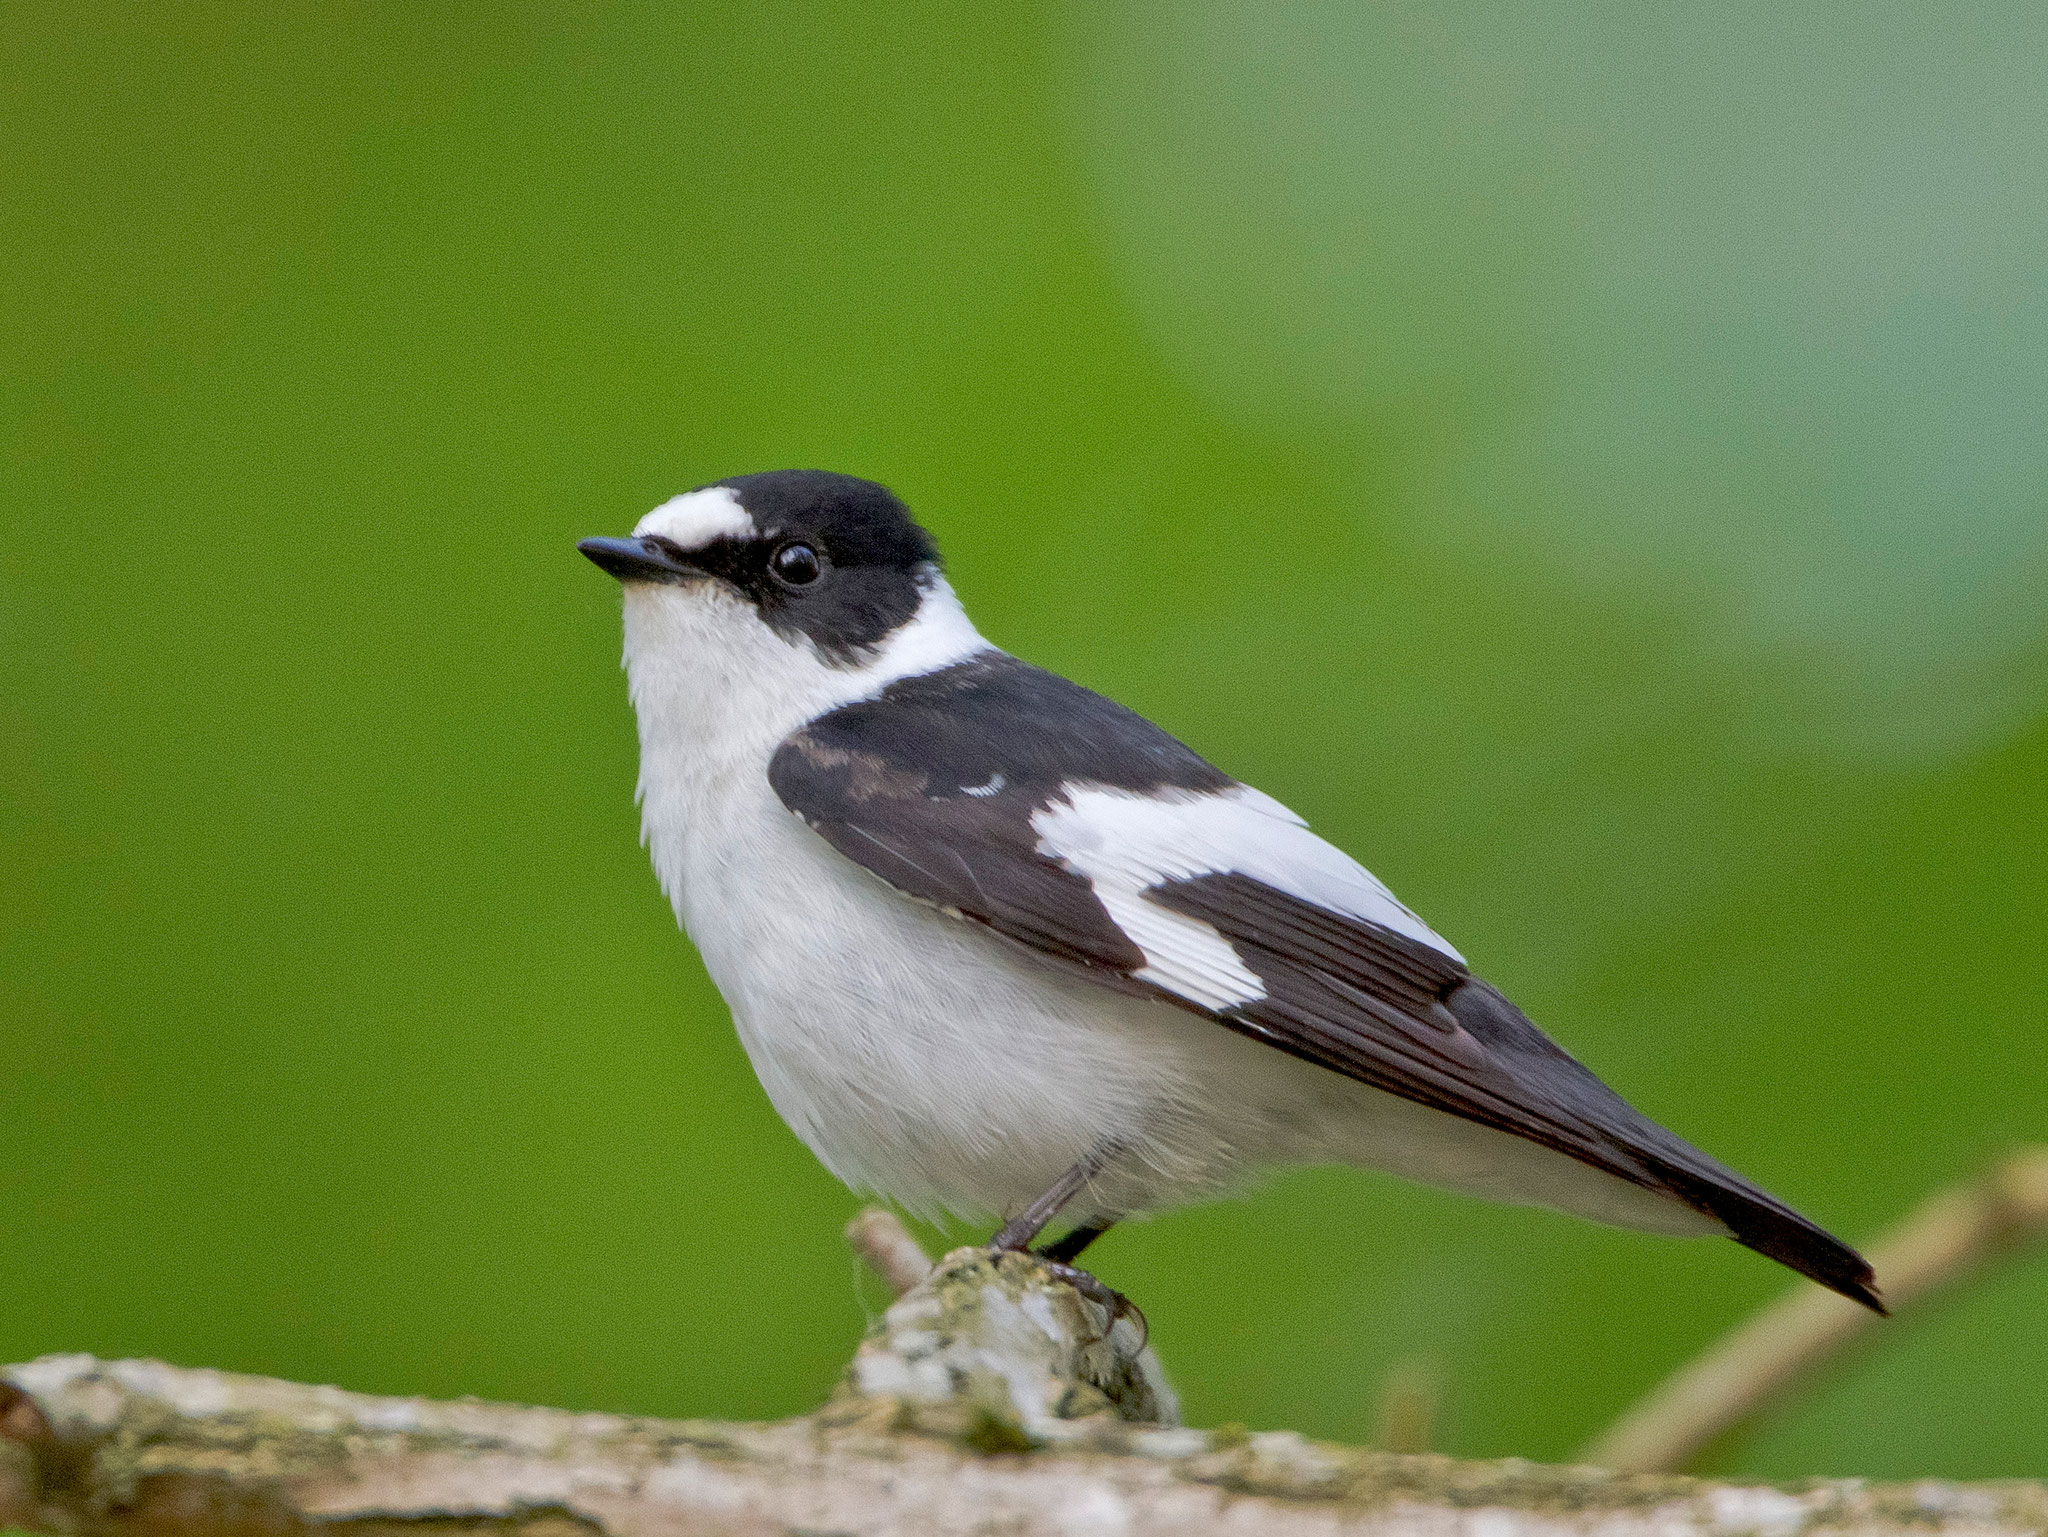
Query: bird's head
pixel 784 593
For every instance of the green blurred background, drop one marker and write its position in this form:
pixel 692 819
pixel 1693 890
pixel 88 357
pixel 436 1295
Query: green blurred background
pixel 1591 459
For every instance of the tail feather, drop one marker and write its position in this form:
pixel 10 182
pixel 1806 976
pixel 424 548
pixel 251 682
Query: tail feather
pixel 1651 1155
pixel 1770 1228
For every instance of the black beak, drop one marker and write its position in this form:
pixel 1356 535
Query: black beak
pixel 636 560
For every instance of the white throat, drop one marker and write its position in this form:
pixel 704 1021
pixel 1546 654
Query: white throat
pixel 716 692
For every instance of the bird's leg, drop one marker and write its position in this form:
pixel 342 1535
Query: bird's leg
pixel 1017 1233
pixel 1065 1251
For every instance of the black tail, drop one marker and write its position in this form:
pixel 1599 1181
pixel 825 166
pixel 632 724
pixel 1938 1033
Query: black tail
pixel 1627 1143
pixel 1774 1229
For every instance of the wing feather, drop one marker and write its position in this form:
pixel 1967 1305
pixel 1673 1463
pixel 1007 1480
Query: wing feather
pixel 1068 825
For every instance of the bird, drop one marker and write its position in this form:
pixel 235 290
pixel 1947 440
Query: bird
pixel 998 947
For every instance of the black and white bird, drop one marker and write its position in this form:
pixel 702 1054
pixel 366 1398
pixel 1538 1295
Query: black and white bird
pixel 998 946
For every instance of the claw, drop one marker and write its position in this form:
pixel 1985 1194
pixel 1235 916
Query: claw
pixel 1097 1291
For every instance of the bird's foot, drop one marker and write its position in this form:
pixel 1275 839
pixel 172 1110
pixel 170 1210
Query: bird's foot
pixel 1089 1286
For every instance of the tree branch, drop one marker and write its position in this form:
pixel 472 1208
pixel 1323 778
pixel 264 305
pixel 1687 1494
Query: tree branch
pixel 990 1397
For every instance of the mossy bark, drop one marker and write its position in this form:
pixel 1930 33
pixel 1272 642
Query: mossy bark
pixel 989 1399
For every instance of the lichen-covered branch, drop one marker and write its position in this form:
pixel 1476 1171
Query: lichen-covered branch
pixel 990 1398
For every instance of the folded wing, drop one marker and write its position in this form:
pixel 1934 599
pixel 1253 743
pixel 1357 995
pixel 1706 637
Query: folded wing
pixel 1063 822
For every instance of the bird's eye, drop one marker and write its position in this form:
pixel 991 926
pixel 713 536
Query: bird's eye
pixel 796 565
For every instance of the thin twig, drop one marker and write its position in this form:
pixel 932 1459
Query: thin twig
pixel 1411 1397
pixel 885 1245
pixel 1949 1239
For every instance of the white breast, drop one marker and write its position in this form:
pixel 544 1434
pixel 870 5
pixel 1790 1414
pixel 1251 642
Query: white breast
pixel 883 1031
pixel 914 1054
pixel 920 1056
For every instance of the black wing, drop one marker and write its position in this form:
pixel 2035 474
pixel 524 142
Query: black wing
pixel 933 786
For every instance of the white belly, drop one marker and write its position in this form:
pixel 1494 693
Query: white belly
pixel 925 1058
pixel 918 1055
pixel 922 1057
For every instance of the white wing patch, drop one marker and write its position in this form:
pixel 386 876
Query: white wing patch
pixel 696 518
pixel 1124 841
pixel 1183 955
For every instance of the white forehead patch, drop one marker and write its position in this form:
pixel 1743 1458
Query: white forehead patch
pixel 696 518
